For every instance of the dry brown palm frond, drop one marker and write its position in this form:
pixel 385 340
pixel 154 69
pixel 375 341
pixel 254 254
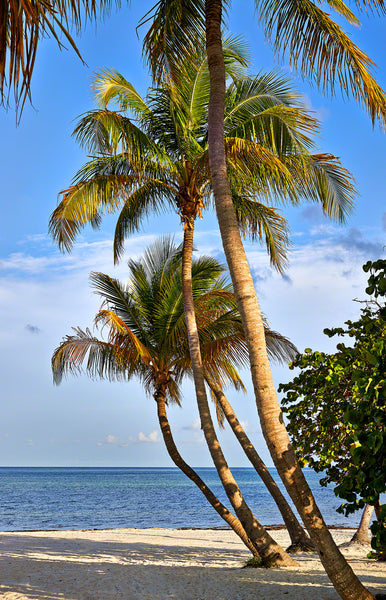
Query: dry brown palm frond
pixel 22 24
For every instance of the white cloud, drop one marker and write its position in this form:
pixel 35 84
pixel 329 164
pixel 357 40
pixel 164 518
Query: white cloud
pixel 111 439
pixel 85 257
pixel 326 275
pixel 152 437
pixel 247 427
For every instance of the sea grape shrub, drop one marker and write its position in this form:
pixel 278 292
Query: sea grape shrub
pixel 336 407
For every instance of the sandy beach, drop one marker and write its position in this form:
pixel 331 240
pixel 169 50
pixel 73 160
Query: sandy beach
pixel 160 564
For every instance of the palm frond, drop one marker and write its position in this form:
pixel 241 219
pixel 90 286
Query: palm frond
pixel 24 23
pixel 279 347
pixel 121 335
pixel 195 83
pixel 120 301
pixel 322 51
pixel 104 132
pixel 153 197
pixel 264 223
pixel 176 26
pixel 84 203
pixel 253 164
pixel 83 353
pixel 321 178
pixel 267 110
pixel 109 84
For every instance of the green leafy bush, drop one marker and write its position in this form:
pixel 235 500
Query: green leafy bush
pixel 336 407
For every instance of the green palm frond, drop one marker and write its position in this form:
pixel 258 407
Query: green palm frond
pixel 104 132
pixel 194 86
pixel 253 164
pixel 342 9
pixel 176 26
pixel 103 186
pixel 322 51
pixel 119 300
pixel 264 223
pixel 325 181
pixel 109 85
pixel 267 110
pixel 153 197
pixel 121 335
pixel 85 203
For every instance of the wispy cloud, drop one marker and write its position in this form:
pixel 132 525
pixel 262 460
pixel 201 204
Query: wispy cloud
pixel 248 428
pixel 313 213
pixel 109 440
pixel 195 425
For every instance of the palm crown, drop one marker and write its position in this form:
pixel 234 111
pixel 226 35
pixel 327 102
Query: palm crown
pixel 301 31
pixel 146 330
pixel 151 155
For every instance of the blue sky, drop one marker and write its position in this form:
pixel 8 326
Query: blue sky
pixel 44 293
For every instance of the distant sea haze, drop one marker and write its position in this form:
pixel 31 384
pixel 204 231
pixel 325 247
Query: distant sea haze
pixel 102 498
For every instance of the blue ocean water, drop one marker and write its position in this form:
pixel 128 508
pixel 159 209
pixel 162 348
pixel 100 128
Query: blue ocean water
pixel 103 498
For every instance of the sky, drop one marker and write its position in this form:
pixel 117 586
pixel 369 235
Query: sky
pixel 44 293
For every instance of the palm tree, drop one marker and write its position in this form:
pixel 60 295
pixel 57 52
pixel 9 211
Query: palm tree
pixel 164 161
pixel 228 352
pixel 326 55
pixel 161 159
pixel 343 578
pixel 156 159
pixel 23 24
pixel 147 339
pixel 300 542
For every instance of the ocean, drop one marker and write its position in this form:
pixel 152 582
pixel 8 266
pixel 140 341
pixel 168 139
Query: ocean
pixel 38 498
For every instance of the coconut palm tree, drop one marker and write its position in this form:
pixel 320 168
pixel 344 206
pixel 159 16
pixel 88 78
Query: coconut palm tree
pixel 23 24
pixel 326 55
pixel 343 578
pixel 147 339
pixel 229 352
pixel 165 162
pixel 143 176
pixel 151 155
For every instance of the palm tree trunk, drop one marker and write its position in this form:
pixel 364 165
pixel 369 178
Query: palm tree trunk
pixel 299 539
pixel 361 535
pixel 270 552
pixel 176 457
pixel 342 576
pixel 377 508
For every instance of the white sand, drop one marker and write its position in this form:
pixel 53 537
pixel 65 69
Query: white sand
pixel 161 564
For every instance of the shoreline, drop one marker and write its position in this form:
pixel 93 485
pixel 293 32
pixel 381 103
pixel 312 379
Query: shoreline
pixel 163 564
pixel 219 528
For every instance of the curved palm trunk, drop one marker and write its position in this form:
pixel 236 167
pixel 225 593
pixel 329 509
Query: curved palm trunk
pixel 299 539
pixel 361 535
pixel 271 553
pixel 342 576
pixel 189 472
